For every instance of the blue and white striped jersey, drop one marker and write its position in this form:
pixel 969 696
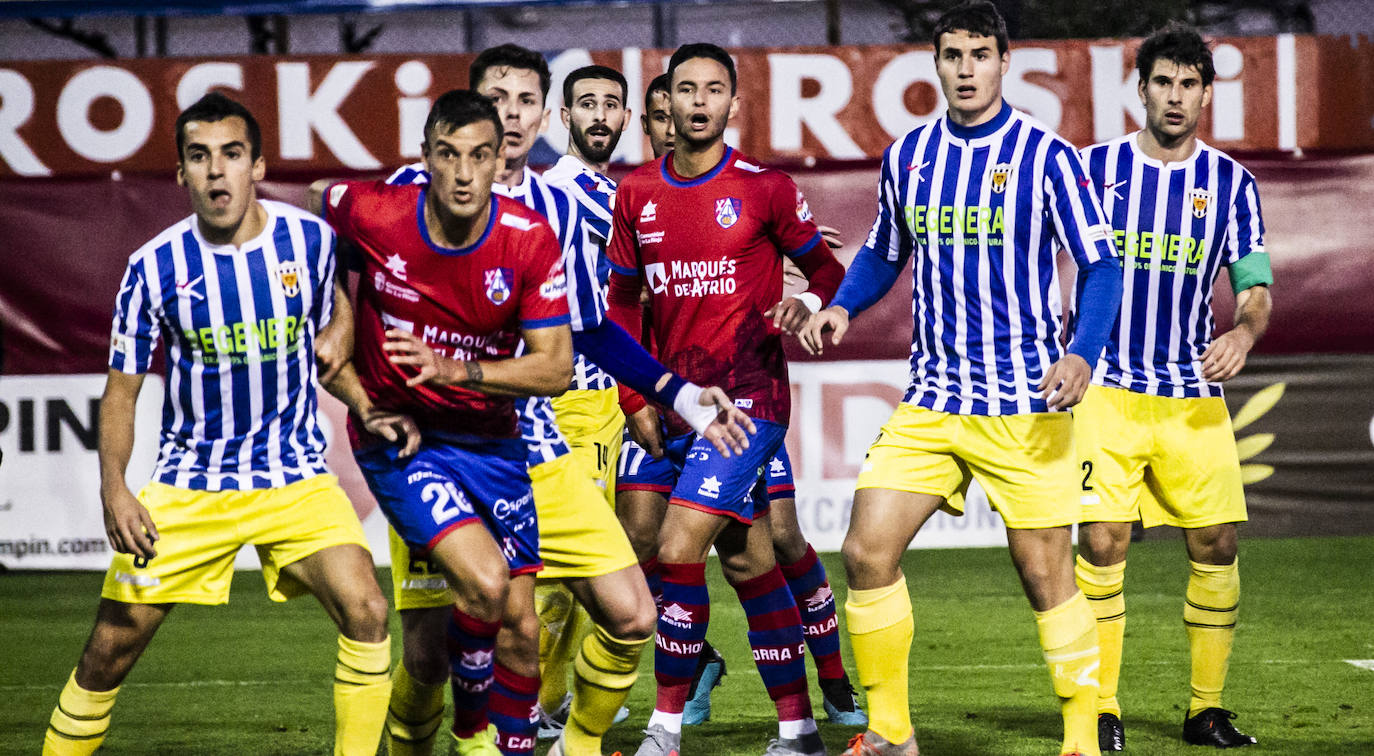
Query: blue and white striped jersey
pixel 238 328
pixel 538 427
pixel 983 211
pixel 1175 226
pixel 595 194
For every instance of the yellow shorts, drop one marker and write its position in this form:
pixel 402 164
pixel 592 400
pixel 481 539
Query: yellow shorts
pixel 1157 459
pixel 1025 463
pixel 579 536
pixel 592 422
pixel 202 531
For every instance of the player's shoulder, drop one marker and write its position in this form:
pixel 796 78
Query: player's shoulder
pixel 1224 161
pixel 161 247
pixel 741 167
pixel 516 216
pixel 1050 141
pixel 1115 145
pixel 292 213
pixel 371 199
pixel 414 173
pixel 566 171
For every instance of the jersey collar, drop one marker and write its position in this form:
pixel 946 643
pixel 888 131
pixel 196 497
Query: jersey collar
pixel 269 227
pixel 669 175
pixel 451 251
pixel 988 128
pixel 1140 155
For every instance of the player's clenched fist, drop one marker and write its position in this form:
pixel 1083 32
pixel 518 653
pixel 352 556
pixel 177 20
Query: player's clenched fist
pixel 1225 356
pixel 831 319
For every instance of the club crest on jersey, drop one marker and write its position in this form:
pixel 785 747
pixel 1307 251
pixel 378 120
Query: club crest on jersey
pixel 803 209
pixel 498 282
pixel 1200 200
pixel 289 276
pixel 999 174
pixel 727 211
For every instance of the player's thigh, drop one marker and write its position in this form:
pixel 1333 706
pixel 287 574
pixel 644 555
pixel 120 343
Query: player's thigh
pixel 1027 464
pixel 618 601
pixel 642 486
pixel 593 424
pixel 1195 469
pixel 579 536
pixel 195 553
pixel 1113 432
pixel 1044 561
pixel 882 524
pixel 746 551
pixel 293 522
pixel 344 580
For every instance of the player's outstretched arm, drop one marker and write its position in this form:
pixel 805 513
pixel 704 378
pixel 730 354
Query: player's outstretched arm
pixel 127 523
pixel 544 370
pixel 1224 357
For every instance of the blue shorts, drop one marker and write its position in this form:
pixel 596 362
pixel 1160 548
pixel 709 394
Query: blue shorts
pixel 445 486
pixel 731 487
pixel 639 471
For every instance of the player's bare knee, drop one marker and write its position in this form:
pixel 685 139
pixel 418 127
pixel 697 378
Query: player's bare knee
pixel 867 566
pixel 483 595
pixel 364 617
pixel 1102 544
pixel 519 641
pixel 789 545
pixel 1216 544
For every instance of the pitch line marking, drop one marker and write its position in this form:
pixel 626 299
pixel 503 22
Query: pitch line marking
pixel 1361 663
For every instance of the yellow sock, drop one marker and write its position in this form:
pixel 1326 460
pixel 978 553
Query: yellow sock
pixel 880 627
pixel 603 673
pixel 1068 636
pixel 1103 587
pixel 414 716
pixel 362 685
pixel 562 622
pixel 1210 616
pixel 79 723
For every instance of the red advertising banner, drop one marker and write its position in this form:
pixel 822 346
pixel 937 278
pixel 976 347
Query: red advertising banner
pixel 330 113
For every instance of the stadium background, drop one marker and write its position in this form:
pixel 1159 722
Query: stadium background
pixel 88 93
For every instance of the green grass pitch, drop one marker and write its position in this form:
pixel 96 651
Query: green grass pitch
pixel 254 677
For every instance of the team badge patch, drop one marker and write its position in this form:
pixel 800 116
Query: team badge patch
pixel 289 276
pixel 1000 174
pixel 1200 200
pixel 498 282
pixel 803 209
pixel 727 211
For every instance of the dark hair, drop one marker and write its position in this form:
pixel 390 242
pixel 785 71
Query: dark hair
pixel 594 72
pixel 661 83
pixel 1180 43
pixel 702 50
pixel 979 18
pixel 510 56
pixel 216 107
pixel 457 108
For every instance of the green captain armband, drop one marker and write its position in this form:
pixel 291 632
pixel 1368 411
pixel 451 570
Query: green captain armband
pixel 1251 270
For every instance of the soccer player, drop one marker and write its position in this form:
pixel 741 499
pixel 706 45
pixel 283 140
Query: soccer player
pixel 1153 433
pixel 646 479
pixel 452 279
pixel 236 293
pixel 980 199
pixel 706 229
pixel 581 542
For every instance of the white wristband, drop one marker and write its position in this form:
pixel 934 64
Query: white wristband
pixel 687 404
pixel 812 302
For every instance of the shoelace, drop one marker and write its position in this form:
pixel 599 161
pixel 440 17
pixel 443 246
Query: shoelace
pixel 856 744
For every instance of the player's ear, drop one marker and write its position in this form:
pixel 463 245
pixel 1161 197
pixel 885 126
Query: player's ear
pixel 1006 62
pixel 734 107
pixel 1207 95
pixel 259 168
pixel 625 124
pixel 543 122
pixel 566 115
pixel 644 124
pixel 181 173
pixel 1140 89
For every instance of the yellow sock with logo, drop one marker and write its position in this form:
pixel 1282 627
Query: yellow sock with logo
pixel 880 627
pixel 1103 587
pixel 79 723
pixel 362 686
pixel 1068 635
pixel 1210 616
pixel 414 716
pixel 603 673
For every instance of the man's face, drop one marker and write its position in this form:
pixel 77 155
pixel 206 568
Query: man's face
pixel 970 71
pixel 702 101
pixel 520 102
pixel 658 123
pixel 1174 97
pixel 218 169
pixel 596 118
pixel 462 165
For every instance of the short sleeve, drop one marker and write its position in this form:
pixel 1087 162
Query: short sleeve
pixel 1077 213
pixel 586 299
pixel 134 331
pixel 325 263
pixel 338 206
pixel 792 228
pixel 621 252
pixel 544 290
pixel 1245 227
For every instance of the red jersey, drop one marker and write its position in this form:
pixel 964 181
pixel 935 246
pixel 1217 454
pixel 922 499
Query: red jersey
pixel 466 304
pixel 710 250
